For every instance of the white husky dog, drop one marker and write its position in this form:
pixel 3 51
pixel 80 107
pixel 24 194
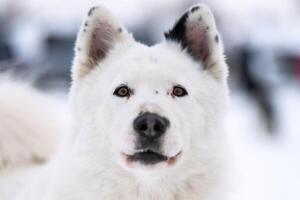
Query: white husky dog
pixel 147 120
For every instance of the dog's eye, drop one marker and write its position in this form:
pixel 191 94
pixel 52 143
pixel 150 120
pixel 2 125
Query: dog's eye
pixel 122 91
pixel 179 91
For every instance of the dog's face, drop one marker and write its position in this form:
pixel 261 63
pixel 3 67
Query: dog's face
pixel 149 108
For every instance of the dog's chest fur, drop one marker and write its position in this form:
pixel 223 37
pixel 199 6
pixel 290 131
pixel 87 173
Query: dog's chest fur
pixel 117 185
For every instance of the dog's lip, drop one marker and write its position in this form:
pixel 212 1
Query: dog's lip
pixel 170 160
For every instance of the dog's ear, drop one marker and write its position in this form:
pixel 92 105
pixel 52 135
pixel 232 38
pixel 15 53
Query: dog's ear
pixel 196 32
pixel 99 33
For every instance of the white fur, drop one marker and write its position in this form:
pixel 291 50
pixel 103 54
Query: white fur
pixel 32 125
pixel 29 125
pixel 92 166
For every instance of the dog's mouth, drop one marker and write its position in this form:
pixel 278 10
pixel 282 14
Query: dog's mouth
pixel 147 157
pixel 150 157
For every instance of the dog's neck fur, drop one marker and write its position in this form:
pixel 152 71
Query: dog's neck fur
pixel 127 187
pixel 167 189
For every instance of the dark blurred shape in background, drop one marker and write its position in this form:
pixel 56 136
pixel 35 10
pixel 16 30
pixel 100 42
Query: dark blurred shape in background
pixel 262 40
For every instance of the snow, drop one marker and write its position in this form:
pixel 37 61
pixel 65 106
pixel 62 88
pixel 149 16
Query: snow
pixel 265 167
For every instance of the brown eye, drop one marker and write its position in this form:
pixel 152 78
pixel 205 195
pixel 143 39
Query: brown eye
pixel 179 91
pixel 122 91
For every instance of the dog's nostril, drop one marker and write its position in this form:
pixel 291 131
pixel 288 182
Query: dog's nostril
pixel 143 127
pixel 158 127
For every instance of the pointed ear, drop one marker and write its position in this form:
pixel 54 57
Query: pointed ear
pixel 196 32
pixel 99 33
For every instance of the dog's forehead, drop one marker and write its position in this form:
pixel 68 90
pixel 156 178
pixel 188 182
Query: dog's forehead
pixel 164 54
pixel 160 62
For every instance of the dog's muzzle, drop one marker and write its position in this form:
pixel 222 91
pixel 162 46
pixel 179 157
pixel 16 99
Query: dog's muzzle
pixel 150 128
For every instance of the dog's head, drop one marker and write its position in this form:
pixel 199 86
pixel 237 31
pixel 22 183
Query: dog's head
pixel 149 108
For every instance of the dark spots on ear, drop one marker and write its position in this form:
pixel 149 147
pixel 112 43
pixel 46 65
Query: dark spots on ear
pixel 207 28
pixel 184 34
pixel 78 49
pixel 86 24
pixel 156 92
pixel 195 9
pixel 91 11
pixel 120 30
pixel 200 19
pixel 177 33
pixel 217 39
pixel 84 30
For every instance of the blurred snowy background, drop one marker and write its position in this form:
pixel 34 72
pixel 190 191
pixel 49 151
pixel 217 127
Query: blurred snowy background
pixel 262 42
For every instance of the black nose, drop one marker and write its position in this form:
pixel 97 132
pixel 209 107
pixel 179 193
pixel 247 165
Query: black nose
pixel 150 126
